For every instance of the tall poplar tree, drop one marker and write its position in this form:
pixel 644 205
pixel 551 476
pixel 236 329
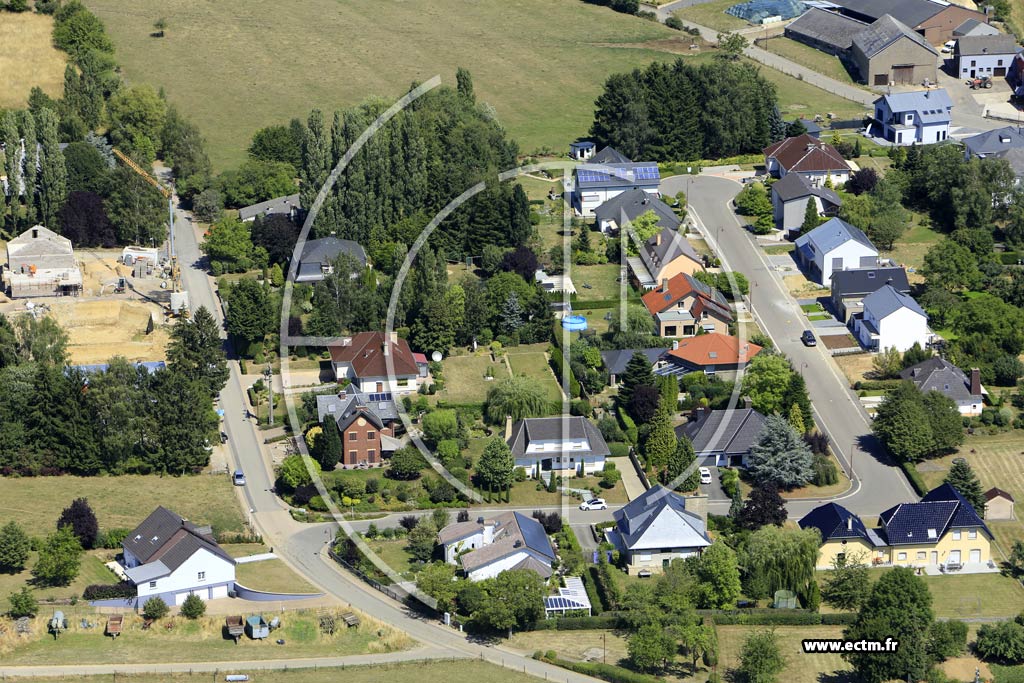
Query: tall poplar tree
pixel 53 177
pixel 30 168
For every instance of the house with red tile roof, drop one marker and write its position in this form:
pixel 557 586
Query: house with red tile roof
pixel 364 360
pixel 712 354
pixel 813 159
pixel 682 305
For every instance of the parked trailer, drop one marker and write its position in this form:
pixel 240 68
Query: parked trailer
pixel 235 627
pixel 114 624
pixel 350 619
pixel 257 627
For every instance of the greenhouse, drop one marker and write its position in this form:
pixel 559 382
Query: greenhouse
pixel 757 11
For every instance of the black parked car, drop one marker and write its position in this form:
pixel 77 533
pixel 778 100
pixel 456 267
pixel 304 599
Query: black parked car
pixel 808 338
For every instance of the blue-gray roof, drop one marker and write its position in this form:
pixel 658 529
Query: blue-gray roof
pixel 585 144
pixel 833 233
pixel 888 300
pixel 382 405
pixel 910 12
pixel 835 522
pixel 610 155
pixel 940 510
pixel 732 432
pixel 994 141
pixel 635 203
pixel 823 26
pixel 930 106
pixel 862 281
pixel 658 519
pixel 885 31
pixel 938 374
pixel 534 535
pixel 795 186
pixel 277 205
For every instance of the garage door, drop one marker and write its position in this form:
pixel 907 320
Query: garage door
pixel 976 556
pixel 999 71
pixel 881 79
pixel 903 74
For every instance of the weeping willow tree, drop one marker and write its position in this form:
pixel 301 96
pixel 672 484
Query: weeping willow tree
pixel 780 559
pixel 517 396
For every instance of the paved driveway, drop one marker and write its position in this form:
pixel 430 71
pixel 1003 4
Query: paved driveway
pixel 837 410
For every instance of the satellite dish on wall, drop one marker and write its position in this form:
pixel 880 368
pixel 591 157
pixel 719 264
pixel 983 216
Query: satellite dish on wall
pixel 436 356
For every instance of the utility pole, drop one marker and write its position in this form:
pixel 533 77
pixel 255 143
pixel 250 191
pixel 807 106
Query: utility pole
pixel 269 374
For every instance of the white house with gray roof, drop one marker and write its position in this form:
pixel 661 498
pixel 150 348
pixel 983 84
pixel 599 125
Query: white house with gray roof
pixel 319 256
pixel 486 547
pixel 891 319
pixel 567 445
pixel 607 175
pixel 789 201
pixel 938 374
pixel 169 557
pixel 833 246
pixel 973 27
pixel 630 205
pixel 723 438
pixel 920 116
pixel 988 55
pixel 655 528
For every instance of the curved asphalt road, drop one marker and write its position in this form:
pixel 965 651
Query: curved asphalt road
pixel 878 483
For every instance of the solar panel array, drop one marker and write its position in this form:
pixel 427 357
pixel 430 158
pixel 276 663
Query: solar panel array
pixel 377 398
pixel 601 174
pixel 559 602
pixel 647 173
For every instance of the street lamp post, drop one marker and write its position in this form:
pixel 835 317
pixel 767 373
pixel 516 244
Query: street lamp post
pixel 853 452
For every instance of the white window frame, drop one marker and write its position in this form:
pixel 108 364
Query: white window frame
pixel 901 557
pixel 972 534
pixel 956 534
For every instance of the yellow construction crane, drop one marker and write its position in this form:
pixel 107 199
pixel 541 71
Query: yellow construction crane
pixel 172 254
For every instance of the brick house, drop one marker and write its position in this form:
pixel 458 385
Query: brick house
pixel 682 305
pixel 367 427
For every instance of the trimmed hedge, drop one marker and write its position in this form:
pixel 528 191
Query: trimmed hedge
pixel 628 426
pixel 555 360
pixel 618 449
pixel 606 672
pixel 109 591
pixel 915 478
pixel 777 617
pixel 877 384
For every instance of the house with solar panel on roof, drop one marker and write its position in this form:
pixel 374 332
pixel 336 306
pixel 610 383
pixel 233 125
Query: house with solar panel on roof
pixel 608 174
pixel 488 546
pixel 942 533
pixel 367 423
pixel 920 117
pixel 169 557
pixel 375 363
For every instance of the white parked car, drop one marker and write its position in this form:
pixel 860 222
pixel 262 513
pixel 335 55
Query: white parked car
pixel 705 475
pixel 594 504
pixel 948 46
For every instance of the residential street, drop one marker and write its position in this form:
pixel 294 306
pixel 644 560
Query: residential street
pixel 878 484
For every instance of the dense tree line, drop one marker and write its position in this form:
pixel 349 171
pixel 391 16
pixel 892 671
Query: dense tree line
pixel 422 159
pixel 682 111
pixel 55 419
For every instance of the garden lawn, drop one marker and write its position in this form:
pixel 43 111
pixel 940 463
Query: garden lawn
pixel 531 360
pixel 807 56
pixel 464 377
pixel 910 249
pixel 92 570
pixel 712 14
pixel 603 280
pixel 970 596
pixel 997 461
pixel 28 58
pixel 197 641
pixel 463 671
pixel 573 645
pixel 272 576
pixel 394 554
pixel 265 62
pixel 123 501
pixel 800 667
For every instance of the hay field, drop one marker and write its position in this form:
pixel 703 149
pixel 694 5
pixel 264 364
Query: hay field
pixel 103 328
pixel 28 58
pixel 234 66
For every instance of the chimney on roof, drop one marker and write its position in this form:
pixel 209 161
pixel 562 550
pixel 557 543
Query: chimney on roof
pixel 849 523
pixel 697 505
pixel 747 403
pixel 343 393
pixel 975 382
pixel 675 345
pixel 508 427
pixel 664 284
pixel 657 239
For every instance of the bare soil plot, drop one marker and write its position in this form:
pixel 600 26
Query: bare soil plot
pixel 856 366
pixel 102 328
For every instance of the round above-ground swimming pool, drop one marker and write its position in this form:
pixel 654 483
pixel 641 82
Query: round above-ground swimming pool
pixel 574 323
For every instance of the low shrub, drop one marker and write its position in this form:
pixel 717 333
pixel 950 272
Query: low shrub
pixel 109 591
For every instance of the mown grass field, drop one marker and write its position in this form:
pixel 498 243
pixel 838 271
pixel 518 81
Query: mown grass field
pixel 806 55
pixel 997 461
pixel 195 641
pixel 91 571
pixel 530 360
pixel 28 58
pixel 464 377
pixel 462 671
pixel 120 502
pixel 800 667
pixel 235 66
pixel 712 14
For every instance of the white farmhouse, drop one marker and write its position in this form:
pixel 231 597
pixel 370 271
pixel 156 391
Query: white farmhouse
pixel 978 56
pixel 920 117
pixel 656 528
pixel 607 175
pixel 171 558
pixel 833 246
pixel 891 319
pixel 487 547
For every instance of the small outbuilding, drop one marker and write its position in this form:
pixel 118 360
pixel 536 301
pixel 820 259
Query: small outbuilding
pixel 998 504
